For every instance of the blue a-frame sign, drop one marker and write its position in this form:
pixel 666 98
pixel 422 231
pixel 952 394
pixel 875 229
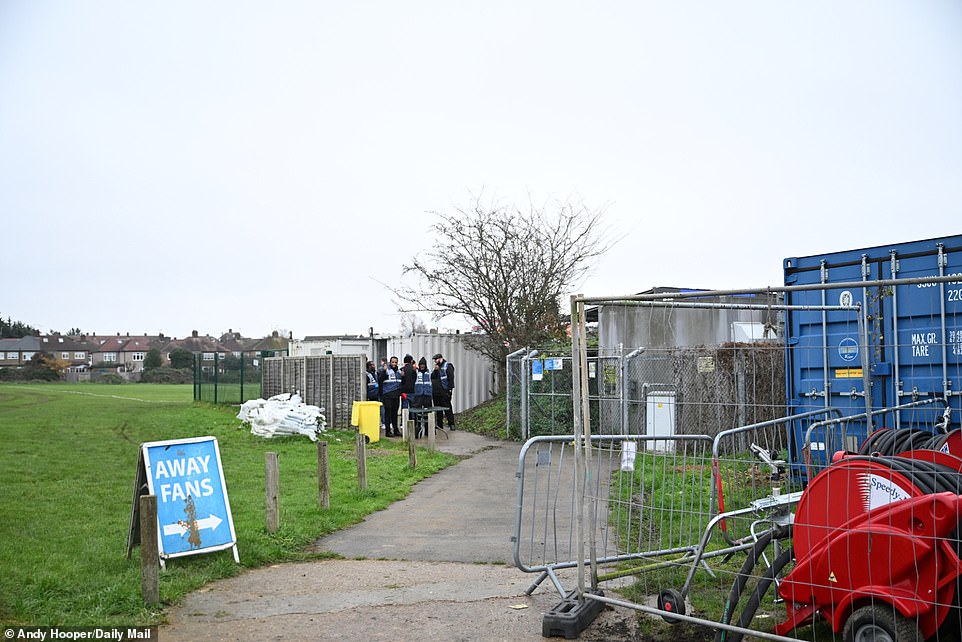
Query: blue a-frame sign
pixel 193 512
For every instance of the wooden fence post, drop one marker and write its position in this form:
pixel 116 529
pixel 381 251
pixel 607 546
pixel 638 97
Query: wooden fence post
pixel 323 476
pixel 412 454
pixel 361 448
pixel 432 424
pixel 271 486
pixel 149 553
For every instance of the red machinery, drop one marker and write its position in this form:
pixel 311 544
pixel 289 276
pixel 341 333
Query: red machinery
pixel 876 547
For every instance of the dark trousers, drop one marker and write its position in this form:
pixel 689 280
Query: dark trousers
pixel 391 405
pixel 443 400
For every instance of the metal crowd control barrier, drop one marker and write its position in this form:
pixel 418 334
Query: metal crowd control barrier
pixel 546 537
pixel 663 518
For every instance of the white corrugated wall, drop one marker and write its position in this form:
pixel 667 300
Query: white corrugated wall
pixel 474 373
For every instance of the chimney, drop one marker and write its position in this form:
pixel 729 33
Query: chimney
pixel 194 333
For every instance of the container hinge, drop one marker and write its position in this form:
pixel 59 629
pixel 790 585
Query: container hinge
pixel 943 257
pixel 866 271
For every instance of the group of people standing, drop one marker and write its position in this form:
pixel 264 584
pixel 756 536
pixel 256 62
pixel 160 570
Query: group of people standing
pixel 411 386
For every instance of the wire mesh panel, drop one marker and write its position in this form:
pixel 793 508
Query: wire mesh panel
pixel 625 519
pixel 662 515
pixel 227 379
pixel 513 392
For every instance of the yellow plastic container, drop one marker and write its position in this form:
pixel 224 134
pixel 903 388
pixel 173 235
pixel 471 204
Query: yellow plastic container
pixel 366 415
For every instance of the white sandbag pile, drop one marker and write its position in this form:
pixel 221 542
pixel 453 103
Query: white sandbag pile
pixel 284 414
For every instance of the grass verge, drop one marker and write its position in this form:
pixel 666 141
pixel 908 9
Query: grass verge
pixel 67 471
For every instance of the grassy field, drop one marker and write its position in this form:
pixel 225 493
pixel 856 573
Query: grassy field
pixel 67 468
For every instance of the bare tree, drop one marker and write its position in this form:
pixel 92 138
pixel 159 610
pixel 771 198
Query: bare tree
pixel 506 270
pixel 411 323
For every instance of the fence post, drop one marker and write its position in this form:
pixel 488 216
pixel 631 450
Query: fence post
pixel 412 454
pixel 271 485
pixel 149 553
pixel 432 425
pixel 323 476
pixel 361 449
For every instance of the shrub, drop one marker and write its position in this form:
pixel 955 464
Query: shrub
pixel 167 375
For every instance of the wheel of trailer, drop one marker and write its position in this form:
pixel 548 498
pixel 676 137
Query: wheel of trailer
pixel 671 601
pixel 880 623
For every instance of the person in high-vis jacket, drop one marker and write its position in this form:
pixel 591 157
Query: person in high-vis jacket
pixel 423 397
pixel 390 380
pixel 442 386
pixel 373 387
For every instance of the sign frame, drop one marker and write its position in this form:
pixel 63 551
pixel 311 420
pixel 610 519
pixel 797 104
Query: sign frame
pixel 190 472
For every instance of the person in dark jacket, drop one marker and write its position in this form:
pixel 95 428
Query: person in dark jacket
pixel 442 385
pixel 408 374
pixel 373 387
pixel 390 380
pixel 423 397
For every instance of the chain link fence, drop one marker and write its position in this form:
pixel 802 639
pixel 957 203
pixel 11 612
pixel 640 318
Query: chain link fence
pixel 227 380
pixel 685 391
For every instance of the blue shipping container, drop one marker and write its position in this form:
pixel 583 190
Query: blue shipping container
pixel 904 342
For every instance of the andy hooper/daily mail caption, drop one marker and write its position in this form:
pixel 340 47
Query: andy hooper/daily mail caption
pixel 45 633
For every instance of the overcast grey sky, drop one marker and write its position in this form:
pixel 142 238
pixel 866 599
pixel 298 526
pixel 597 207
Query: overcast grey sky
pixel 171 166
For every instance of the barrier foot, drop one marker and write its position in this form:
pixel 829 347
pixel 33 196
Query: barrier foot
pixel 571 616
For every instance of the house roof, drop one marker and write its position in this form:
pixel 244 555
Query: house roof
pixel 273 344
pixel 18 344
pixel 197 344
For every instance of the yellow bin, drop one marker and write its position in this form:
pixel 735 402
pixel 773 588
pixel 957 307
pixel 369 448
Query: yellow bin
pixel 366 415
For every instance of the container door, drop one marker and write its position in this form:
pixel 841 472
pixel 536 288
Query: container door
pixel 923 320
pixel 825 356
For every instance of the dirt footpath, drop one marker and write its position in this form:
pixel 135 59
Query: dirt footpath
pixel 435 566
pixel 377 600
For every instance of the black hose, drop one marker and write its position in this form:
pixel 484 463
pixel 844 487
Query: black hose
pixel 779 532
pixel 761 588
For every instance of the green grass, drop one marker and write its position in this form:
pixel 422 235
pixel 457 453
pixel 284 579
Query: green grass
pixel 488 418
pixel 663 505
pixel 67 468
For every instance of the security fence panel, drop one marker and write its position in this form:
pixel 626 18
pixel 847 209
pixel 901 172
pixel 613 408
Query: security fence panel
pixel 227 380
pixel 513 394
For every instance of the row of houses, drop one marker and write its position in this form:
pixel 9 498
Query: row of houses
pixel 126 353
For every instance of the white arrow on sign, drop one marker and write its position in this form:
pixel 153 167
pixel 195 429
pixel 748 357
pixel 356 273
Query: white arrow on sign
pixel 181 527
